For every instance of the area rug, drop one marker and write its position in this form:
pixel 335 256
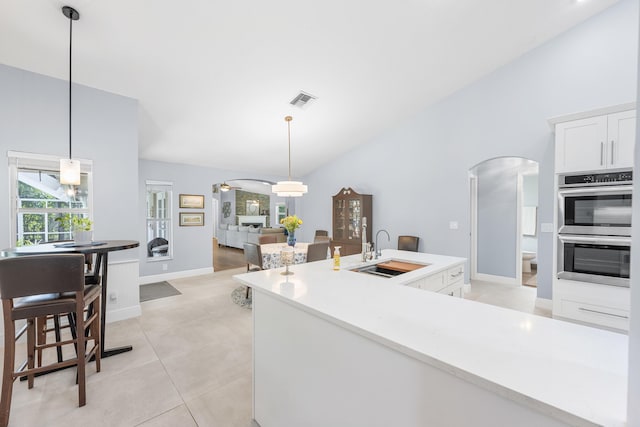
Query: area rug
pixel 157 290
pixel 238 297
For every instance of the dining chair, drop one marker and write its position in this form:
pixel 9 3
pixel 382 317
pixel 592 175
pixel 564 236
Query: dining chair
pixel 253 258
pixel 408 243
pixel 39 286
pixel 322 233
pixel 268 238
pixel 317 251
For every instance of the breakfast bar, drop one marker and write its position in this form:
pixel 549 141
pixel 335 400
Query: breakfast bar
pixel 347 348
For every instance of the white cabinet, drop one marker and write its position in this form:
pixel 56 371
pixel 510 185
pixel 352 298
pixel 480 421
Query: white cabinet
pixel 596 143
pixel 590 303
pixel 449 282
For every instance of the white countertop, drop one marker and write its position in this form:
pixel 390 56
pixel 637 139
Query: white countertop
pixel 575 373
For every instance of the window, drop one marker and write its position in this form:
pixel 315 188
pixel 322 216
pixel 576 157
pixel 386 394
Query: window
pixel 40 205
pixel 159 224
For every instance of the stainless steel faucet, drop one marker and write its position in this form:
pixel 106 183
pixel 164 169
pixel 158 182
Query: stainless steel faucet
pixel 378 251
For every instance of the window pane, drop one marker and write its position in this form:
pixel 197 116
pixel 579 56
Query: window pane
pixel 45 206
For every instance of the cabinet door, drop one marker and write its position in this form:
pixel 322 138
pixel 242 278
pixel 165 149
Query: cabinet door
pixel 622 138
pixel 581 145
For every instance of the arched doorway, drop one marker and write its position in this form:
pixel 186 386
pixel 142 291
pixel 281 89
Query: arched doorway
pixel 504 200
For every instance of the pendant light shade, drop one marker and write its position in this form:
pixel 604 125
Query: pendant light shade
pixel 289 188
pixel 69 171
pixel 69 168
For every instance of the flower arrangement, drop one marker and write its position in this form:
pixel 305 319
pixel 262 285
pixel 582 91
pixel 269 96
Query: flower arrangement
pixel 291 223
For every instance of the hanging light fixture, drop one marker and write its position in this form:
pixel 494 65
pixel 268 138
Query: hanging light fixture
pixel 289 188
pixel 70 168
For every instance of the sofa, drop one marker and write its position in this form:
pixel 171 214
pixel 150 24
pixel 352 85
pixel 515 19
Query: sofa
pixel 236 236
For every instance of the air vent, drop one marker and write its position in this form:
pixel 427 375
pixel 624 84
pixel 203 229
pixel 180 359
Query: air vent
pixel 303 99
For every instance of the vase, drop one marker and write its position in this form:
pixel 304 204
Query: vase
pixel 291 238
pixel 82 237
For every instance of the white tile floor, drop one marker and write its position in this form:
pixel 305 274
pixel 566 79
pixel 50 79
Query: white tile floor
pixel 191 363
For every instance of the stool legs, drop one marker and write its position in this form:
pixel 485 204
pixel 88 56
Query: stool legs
pixel 9 363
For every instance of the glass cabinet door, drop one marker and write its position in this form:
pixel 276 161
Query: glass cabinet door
pixel 340 219
pixel 355 218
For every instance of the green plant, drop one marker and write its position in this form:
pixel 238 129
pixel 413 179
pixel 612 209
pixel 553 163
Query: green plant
pixel 74 223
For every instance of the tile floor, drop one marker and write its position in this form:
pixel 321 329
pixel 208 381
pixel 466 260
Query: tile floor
pixel 191 363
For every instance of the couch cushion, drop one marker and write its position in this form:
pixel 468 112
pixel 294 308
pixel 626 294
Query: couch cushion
pixel 243 228
pixel 255 230
pixel 233 228
pixel 224 226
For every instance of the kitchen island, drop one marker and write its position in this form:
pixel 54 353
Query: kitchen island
pixel 342 348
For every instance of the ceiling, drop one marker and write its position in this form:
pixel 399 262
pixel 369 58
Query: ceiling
pixel 214 79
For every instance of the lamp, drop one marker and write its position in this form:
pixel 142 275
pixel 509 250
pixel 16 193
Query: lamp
pixel 70 168
pixel 289 188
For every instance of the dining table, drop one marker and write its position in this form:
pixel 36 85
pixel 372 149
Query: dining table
pixel 271 254
pixel 101 249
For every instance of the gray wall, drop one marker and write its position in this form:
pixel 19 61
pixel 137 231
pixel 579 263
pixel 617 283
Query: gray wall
pixel 497 217
pixel 417 172
pixel 34 118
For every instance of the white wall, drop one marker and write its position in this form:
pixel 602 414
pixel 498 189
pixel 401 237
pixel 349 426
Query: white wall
pixel 417 172
pixel 34 118
pixel 633 408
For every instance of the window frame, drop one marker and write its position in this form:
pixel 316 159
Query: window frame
pixel 169 219
pixel 41 162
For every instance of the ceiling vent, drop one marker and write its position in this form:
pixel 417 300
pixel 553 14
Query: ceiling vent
pixel 303 99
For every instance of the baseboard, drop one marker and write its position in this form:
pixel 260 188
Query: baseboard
pixel 174 275
pixel 123 313
pixel 544 303
pixel 503 280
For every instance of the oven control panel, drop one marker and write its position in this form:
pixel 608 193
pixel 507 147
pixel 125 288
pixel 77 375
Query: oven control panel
pixel 625 177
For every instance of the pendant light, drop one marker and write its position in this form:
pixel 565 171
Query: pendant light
pixel 70 168
pixel 289 188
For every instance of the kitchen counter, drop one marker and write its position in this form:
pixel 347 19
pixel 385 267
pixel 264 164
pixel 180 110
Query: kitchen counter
pixel 534 369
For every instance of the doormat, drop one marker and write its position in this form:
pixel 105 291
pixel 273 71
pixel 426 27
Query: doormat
pixel 157 290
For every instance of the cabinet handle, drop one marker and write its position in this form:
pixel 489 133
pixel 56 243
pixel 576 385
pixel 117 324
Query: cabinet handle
pixel 602 312
pixel 457 274
pixel 612 142
pixel 601 153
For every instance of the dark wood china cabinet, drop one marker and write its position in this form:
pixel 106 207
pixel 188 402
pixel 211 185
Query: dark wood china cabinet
pixel 349 207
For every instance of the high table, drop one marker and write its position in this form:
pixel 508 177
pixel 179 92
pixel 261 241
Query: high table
pixel 271 254
pixel 101 249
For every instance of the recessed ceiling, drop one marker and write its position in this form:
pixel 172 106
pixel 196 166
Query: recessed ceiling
pixel 214 79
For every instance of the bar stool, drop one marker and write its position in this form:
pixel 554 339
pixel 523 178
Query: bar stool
pixel 39 286
pixel 408 243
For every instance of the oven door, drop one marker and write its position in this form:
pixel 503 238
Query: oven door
pixel 596 259
pixel 602 210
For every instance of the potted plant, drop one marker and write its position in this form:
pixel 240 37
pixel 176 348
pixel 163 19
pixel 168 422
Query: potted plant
pixel 291 223
pixel 81 227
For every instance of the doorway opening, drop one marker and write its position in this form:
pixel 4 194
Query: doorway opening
pixel 504 220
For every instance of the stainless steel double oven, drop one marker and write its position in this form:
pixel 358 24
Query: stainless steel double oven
pixel 594 227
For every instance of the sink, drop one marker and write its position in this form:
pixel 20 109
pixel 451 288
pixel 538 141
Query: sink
pixel 389 268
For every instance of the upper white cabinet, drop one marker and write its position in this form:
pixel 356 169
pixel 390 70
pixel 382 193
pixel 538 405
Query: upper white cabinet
pixel 594 143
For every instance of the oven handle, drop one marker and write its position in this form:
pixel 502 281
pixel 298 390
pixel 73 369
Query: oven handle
pixel 620 189
pixel 597 240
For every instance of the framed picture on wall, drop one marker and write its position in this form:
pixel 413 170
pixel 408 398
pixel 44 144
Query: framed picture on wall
pixel 192 201
pixel 195 219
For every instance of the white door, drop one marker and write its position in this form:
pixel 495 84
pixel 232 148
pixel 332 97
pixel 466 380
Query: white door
pixel 622 136
pixel 581 145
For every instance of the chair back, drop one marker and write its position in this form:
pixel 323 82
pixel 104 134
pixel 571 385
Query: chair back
pixel 158 241
pixel 408 243
pixel 268 238
pixel 317 251
pixel 253 254
pixel 41 274
pixel 322 233
pixel 321 239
